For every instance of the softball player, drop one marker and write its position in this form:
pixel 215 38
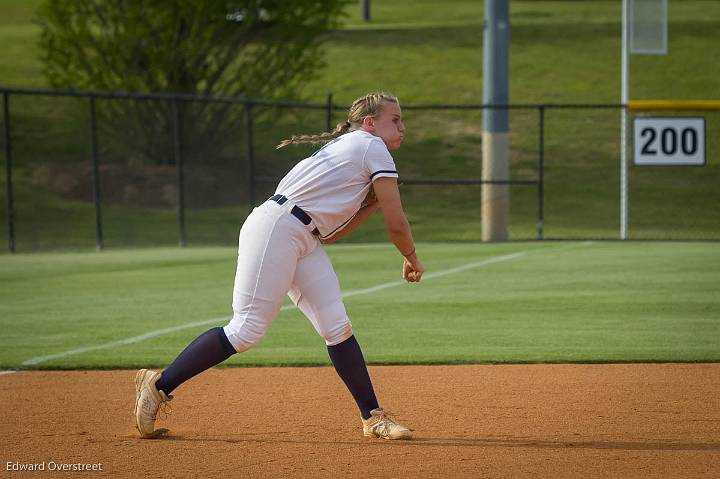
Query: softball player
pixel 323 198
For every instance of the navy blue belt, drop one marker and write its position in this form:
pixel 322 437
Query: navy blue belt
pixel 296 211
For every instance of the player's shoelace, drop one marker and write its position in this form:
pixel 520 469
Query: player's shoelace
pixel 386 423
pixel 165 408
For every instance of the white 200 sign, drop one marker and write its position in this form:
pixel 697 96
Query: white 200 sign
pixel 669 141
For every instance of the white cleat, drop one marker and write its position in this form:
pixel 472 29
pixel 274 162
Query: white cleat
pixel 380 425
pixel 147 402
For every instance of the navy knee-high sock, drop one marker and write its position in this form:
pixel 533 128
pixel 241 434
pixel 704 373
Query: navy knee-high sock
pixel 350 366
pixel 210 348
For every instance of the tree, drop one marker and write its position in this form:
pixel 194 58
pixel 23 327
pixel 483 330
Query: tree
pixel 252 48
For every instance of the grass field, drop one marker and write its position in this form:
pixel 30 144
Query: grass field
pixel 522 302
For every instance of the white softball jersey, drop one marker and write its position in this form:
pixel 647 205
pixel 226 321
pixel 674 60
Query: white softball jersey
pixel 331 184
pixel 278 254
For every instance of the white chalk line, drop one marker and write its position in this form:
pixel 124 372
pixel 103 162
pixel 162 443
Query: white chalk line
pixel 357 292
pixel 9 371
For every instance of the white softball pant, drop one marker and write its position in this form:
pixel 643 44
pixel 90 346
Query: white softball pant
pixel 279 255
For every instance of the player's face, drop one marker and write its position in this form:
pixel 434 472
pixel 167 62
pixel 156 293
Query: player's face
pixel 387 125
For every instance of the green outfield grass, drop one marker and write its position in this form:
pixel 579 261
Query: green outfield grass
pixel 521 302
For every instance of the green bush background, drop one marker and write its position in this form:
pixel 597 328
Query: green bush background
pixel 426 52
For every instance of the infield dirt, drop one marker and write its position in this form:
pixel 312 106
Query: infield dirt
pixel 622 420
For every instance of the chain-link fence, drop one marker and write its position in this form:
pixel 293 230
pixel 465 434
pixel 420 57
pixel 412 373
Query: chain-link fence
pixel 97 169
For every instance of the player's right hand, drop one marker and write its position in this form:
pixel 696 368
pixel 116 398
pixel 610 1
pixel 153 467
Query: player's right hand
pixel 412 269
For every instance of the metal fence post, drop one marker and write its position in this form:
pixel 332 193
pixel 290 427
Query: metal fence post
pixel 329 115
pixel 179 169
pixel 250 155
pixel 8 173
pixel 99 241
pixel 541 175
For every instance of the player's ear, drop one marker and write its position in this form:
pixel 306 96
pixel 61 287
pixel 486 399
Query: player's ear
pixel 368 124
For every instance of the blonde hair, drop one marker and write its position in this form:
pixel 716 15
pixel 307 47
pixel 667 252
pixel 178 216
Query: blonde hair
pixel 368 105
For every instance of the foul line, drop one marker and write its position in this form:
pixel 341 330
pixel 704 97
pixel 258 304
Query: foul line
pixel 438 274
pixel 357 292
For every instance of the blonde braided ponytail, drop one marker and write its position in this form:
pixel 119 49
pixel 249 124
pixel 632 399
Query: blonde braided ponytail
pixel 368 105
pixel 340 129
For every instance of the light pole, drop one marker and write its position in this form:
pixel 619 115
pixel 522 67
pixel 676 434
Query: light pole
pixel 495 130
